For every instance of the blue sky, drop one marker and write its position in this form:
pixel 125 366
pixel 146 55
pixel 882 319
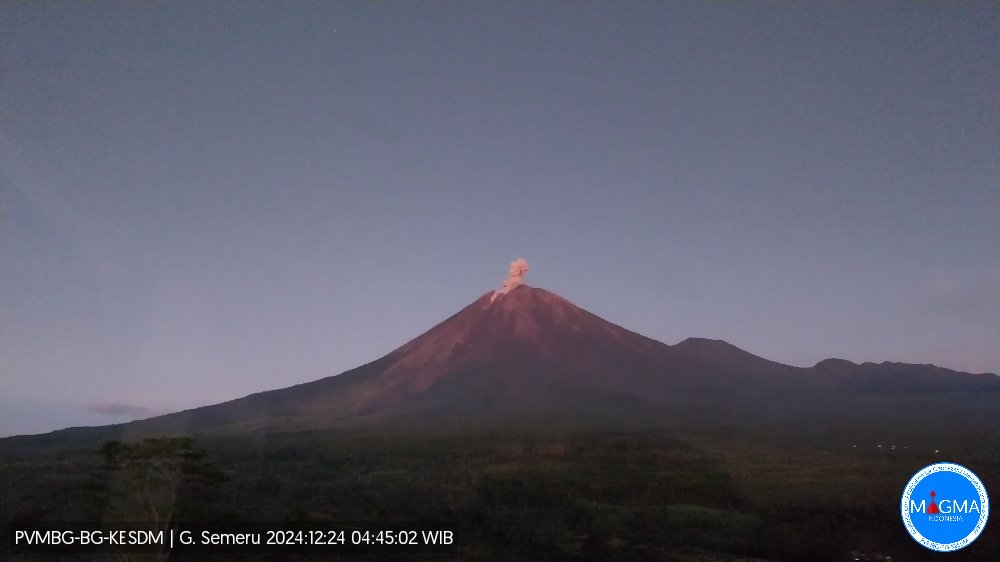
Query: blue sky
pixel 201 200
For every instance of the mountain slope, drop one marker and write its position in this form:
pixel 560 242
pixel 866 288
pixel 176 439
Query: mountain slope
pixel 531 353
pixel 527 351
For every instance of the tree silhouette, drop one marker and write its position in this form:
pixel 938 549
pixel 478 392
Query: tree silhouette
pixel 155 482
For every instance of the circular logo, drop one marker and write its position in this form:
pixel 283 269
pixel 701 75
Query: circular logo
pixel 945 507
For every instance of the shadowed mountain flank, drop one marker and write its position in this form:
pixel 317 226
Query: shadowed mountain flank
pixel 528 353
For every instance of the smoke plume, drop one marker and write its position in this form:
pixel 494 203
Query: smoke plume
pixel 515 277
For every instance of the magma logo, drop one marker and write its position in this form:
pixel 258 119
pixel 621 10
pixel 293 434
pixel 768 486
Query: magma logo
pixel 945 507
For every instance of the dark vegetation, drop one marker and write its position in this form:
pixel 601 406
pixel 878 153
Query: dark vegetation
pixel 736 493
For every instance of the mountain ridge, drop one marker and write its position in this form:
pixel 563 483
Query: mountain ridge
pixel 529 351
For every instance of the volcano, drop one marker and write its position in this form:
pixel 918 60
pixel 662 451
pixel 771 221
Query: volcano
pixel 529 354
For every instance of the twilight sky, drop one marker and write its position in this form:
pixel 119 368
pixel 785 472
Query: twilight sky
pixel 201 200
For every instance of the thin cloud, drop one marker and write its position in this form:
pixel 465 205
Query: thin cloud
pixel 120 410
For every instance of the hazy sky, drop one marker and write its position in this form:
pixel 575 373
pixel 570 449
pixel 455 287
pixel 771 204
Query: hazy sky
pixel 207 199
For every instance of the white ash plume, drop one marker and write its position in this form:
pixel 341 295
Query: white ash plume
pixel 515 277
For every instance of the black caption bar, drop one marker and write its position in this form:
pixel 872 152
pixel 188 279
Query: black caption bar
pixel 220 537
